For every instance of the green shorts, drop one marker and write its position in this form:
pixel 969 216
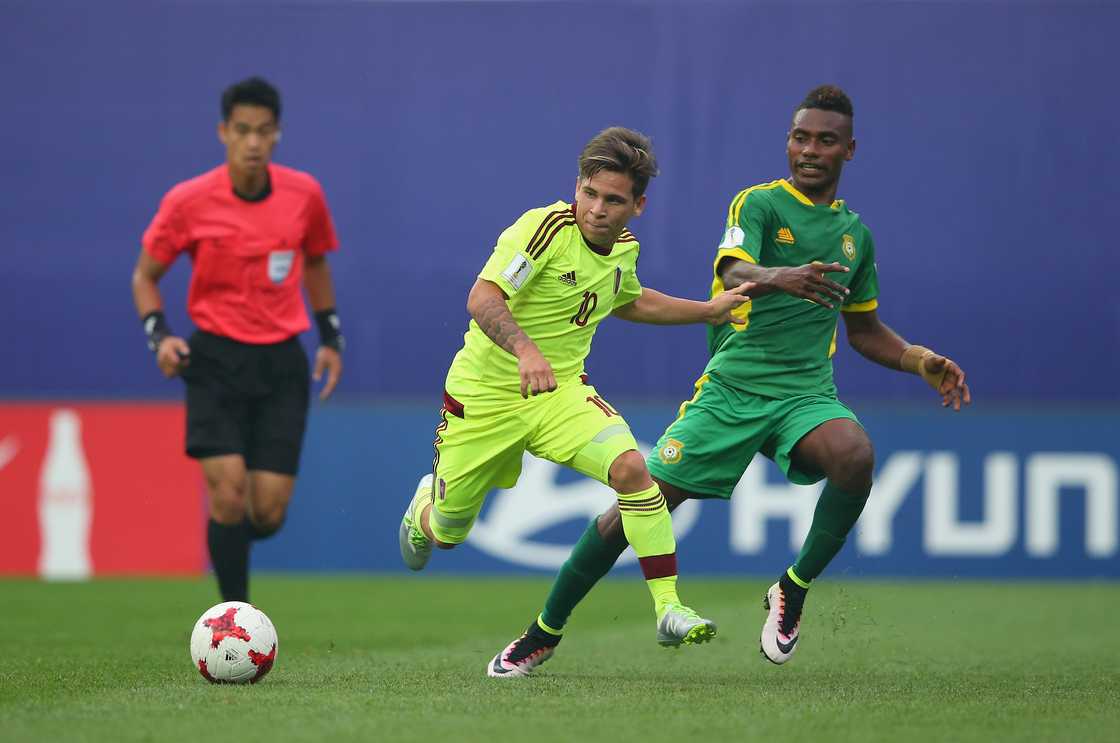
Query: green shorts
pixel 707 448
pixel 481 440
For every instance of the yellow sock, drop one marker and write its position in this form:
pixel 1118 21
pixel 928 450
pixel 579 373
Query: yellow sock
pixel 664 591
pixel 649 529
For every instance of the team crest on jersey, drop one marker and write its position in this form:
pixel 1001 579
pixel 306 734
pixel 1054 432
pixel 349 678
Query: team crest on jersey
pixel 849 247
pixel 280 265
pixel 671 452
pixel 785 235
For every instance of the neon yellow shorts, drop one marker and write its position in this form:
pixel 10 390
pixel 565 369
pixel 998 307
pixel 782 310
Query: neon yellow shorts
pixel 481 440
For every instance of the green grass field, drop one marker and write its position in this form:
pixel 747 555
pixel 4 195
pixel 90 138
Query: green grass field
pixel 402 659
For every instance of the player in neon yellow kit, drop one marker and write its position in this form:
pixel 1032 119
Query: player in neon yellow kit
pixel 768 385
pixel 518 384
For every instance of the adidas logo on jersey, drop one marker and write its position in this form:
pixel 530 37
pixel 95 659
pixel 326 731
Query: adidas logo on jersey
pixel 568 278
pixel 785 236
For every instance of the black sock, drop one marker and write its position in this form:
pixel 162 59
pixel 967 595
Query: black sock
pixel 546 638
pixel 789 587
pixel 229 554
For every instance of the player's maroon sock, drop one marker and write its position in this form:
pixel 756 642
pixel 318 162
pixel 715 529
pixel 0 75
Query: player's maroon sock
pixel 229 554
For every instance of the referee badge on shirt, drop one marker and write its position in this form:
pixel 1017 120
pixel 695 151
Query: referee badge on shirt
pixel 280 265
pixel 849 247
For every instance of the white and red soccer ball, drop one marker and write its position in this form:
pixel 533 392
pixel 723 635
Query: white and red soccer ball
pixel 233 643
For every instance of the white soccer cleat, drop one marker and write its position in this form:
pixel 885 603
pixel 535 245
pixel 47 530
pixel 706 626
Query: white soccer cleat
pixel 780 630
pixel 416 548
pixel 522 655
pixel 680 625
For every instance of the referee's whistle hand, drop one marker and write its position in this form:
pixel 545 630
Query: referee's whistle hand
pixel 330 361
pixel 173 355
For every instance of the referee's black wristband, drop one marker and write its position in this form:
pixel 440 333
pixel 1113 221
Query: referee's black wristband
pixel 330 329
pixel 156 328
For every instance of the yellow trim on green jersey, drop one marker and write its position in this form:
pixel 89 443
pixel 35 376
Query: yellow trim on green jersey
pixel 867 306
pixel 795 193
pixel 697 386
pixel 731 253
pixel 743 311
pixel 736 207
pixel 788 344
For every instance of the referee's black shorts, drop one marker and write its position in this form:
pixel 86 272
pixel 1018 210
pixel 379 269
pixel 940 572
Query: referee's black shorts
pixel 247 399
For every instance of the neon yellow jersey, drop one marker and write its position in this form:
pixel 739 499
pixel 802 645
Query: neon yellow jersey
pixel 787 344
pixel 560 287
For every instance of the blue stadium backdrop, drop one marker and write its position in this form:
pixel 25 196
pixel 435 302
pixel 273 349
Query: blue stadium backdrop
pixel 984 168
pixel 989 494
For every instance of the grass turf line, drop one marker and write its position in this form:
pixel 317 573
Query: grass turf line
pixel 402 659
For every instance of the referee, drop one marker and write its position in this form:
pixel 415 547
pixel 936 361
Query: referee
pixel 255 231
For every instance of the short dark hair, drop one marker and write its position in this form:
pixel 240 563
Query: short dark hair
pixel 827 98
pixel 253 91
pixel 620 150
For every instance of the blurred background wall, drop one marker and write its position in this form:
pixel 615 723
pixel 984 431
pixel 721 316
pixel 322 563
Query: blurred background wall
pixel 984 168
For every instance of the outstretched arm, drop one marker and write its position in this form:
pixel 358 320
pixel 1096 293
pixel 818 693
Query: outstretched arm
pixel 487 305
pixel 874 340
pixel 655 308
pixel 808 281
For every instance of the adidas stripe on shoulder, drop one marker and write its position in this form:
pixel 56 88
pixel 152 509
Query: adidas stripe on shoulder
pixel 549 227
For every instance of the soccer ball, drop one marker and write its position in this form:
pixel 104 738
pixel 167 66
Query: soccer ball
pixel 233 643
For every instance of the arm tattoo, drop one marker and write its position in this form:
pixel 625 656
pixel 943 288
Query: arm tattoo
pixel 497 322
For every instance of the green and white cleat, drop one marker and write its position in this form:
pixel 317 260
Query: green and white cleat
pixel 416 548
pixel 679 625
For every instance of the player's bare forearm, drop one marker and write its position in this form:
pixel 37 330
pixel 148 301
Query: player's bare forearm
pixel 733 272
pixel 487 305
pixel 317 279
pixel 809 281
pixel 873 339
pixel 145 277
pixel 655 308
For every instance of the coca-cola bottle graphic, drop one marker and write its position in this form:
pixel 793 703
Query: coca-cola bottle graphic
pixel 65 502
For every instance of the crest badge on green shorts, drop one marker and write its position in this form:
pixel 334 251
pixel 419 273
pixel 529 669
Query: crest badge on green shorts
pixel 671 452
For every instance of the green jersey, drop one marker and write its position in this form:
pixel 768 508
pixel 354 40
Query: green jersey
pixel 560 287
pixel 786 346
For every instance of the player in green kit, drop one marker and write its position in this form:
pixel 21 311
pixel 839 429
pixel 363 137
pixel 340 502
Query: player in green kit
pixel 768 384
pixel 518 385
